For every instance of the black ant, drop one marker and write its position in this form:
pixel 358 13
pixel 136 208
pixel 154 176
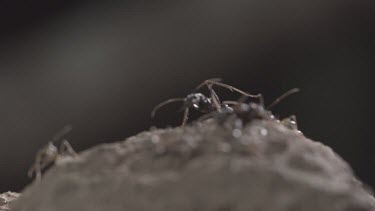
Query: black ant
pixel 49 154
pixel 202 103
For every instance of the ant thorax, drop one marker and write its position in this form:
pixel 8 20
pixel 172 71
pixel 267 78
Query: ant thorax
pixel 199 102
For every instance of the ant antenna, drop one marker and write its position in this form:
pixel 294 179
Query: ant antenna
pixel 229 102
pixel 283 96
pixel 186 117
pixel 157 107
pixel 61 133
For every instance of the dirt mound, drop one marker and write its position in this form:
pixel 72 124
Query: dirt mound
pixel 264 166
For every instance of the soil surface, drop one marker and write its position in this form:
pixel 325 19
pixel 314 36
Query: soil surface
pixel 202 167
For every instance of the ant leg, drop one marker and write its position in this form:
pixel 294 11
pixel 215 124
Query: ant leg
pixel 67 149
pixel 38 173
pixel 186 117
pixel 228 102
pixel 36 165
pixel 66 129
pixel 205 83
pixel 283 96
pixel 214 97
pixel 31 170
pixel 232 88
pixel 261 100
pixel 36 169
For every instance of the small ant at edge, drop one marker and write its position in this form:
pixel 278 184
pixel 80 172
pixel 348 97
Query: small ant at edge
pixel 49 154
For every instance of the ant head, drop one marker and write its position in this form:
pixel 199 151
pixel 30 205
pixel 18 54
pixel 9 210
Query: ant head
pixel 49 152
pixel 195 100
pixel 51 149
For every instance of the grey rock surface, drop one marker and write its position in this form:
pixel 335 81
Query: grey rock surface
pixel 6 199
pixel 203 167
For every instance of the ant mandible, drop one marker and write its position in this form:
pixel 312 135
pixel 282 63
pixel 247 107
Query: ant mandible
pixel 202 103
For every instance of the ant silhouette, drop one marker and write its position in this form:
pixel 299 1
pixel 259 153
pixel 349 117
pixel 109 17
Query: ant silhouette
pixel 49 154
pixel 202 103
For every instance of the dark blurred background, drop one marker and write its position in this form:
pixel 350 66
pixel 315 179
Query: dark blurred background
pixel 102 66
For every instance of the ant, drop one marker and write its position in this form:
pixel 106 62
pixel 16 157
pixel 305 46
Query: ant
pixel 202 103
pixel 49 154
pixel 245 113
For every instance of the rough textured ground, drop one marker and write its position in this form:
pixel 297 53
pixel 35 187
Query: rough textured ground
pixel 6 199
pixel 203 167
